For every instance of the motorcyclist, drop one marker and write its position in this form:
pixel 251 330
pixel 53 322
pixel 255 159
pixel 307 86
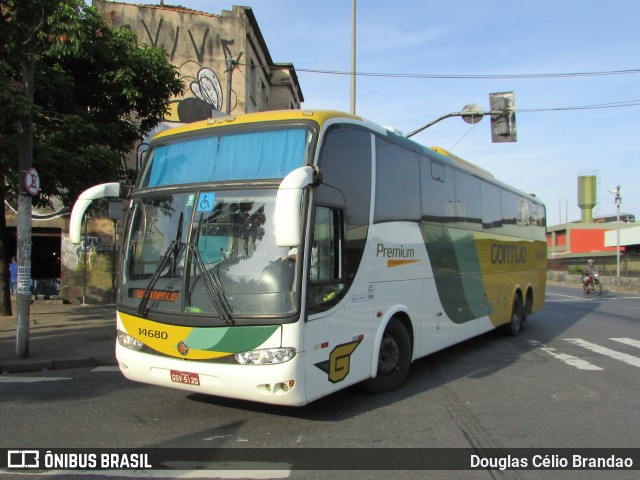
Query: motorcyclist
pixel 587 273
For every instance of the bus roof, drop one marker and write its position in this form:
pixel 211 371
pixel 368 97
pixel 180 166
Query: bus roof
pixel 318 116
pixel 322 116
pixel 461 161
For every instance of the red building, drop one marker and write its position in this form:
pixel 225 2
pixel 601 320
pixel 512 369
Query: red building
pixel 580 239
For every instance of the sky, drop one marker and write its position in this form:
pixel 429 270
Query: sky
pixel 573 66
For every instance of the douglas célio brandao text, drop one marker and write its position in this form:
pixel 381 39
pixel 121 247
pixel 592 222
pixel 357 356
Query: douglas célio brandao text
pixel 551 461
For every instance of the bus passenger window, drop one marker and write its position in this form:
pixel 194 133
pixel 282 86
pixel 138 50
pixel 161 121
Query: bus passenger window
pixel 325 275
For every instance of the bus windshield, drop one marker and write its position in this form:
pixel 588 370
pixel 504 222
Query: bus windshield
pixel 196 247
pixel 257 154
pixel 207 252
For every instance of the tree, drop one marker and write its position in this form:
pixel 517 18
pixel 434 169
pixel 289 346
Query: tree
pixel 96 93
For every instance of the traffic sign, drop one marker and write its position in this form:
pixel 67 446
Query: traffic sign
pixel 32 181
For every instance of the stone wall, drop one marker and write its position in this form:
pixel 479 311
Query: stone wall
pixel 622 284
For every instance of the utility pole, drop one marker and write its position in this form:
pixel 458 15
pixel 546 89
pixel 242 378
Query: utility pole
pixel 353 57
pixel 23 297
pixel 230 66
pixel 559 211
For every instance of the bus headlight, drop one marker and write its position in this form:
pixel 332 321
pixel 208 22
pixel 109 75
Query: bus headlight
pixel 269 356
pixel 128 341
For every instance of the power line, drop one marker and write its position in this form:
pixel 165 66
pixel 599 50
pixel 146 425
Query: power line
pixel 450 76
pixel 626 103
pixel 462 137
pixel 254 88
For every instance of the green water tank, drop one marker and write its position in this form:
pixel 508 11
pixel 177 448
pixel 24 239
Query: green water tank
pixel 587 196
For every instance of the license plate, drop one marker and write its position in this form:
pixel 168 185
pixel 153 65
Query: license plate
pixel 187 378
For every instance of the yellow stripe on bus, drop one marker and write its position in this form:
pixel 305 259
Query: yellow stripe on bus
pixel 165 338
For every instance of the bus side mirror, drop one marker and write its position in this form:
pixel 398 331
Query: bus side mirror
pixel 288 211
pixel 84 200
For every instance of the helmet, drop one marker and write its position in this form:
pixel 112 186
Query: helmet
pixel 591 261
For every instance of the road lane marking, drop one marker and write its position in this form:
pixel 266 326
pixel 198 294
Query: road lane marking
pixel 564 357
pixel 549 294
pixel 627 341
pixel 578 298
pixel 10 379
pixel 110 368
pixel 565 298
pixel 623 357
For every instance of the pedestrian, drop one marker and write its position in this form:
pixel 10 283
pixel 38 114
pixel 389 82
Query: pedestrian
pixel 13 270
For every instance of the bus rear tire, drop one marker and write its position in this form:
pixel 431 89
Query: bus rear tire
pixel 527 309
pixel 394 359
pixel 516 324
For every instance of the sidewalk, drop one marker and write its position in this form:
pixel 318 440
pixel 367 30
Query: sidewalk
pixel 61 336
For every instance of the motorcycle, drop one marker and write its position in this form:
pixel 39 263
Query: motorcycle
pixel 591 283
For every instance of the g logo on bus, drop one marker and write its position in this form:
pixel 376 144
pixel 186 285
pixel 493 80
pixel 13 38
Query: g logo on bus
pixel 337 367
pixel 183 348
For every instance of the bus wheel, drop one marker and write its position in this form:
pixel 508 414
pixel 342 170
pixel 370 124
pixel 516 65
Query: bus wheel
pixel 394 359
pixel 515 325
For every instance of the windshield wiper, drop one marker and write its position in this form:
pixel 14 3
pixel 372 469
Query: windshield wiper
pixel 177 245
pixel 142 307
pixel 174 248
pixel 213 287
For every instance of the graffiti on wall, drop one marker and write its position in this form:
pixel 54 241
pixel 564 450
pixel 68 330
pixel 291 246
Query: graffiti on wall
pixel 74 254
pixel 187 48
pixel 207 88
pixel 175 40
pixel 206 101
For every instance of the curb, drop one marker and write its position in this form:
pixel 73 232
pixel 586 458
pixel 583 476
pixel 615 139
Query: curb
pixel 27 365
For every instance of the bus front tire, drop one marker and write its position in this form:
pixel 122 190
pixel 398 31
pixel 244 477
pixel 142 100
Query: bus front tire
pixel 394 359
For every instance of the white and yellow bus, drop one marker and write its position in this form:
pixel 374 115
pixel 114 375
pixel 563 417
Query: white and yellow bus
pixel 278 257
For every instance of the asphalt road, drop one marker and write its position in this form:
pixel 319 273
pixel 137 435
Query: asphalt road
pixel 570 380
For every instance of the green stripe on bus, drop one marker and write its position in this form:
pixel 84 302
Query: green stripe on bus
pixel 452 251
pixel 230 339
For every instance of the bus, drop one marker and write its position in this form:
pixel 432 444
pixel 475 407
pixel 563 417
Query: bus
pixel 281 256
pixel 624 218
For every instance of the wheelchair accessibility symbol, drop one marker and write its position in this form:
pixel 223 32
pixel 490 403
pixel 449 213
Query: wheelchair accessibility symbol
pixel 206 202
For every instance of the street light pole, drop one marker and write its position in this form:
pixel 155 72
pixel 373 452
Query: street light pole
pixel 618 200
pixel 566 211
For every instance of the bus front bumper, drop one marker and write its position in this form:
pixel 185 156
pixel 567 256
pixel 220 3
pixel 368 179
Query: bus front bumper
pixel 280 384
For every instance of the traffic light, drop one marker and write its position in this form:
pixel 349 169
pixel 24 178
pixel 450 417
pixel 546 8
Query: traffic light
pixel 503 124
